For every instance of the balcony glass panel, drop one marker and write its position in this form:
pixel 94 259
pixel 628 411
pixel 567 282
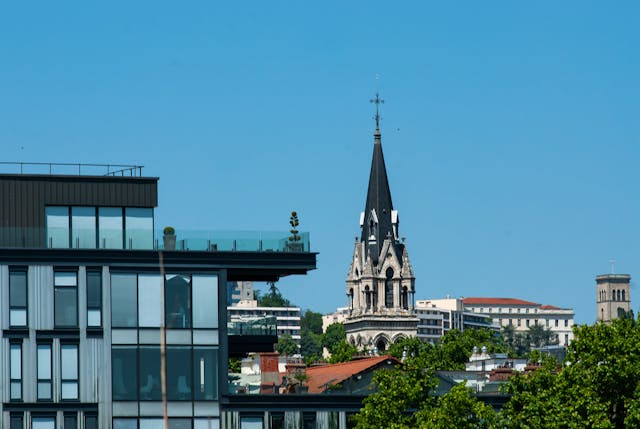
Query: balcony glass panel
pixel 83 227
pixel 110 228
pixel 57 227
pixel 139 228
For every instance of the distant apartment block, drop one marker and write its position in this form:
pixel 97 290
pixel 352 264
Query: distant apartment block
pixel 523 314
pixel 438 316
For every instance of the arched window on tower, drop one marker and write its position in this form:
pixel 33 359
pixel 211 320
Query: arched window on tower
pixel 388 289
pixel 367 297
pixel 623 297
pixel 405 298
pixel 619 295
pixel 350 298
pixel 613 295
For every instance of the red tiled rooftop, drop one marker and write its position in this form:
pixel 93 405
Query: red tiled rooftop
pixel 498 301
pixel 550 307
pixel 322 376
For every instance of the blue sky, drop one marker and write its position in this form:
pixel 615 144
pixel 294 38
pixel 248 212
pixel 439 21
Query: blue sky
pixel 511 131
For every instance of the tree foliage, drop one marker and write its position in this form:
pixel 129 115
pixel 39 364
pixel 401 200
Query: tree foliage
pixel 286 345
pixel 334 336
pixel 343 352
pixel 273 298
pixel 312 322
pixel 310 346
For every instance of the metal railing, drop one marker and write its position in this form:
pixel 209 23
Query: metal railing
pixel 81 169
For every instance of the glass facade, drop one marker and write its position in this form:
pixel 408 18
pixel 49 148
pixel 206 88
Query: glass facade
pixel 124 306
pixel 205 301
pixel 18 298
pixel 15 375
pixel 150 300
pixel 138 228
pixel 44 372
pixel 43 423
pixel 94 298
pixel 124 373
pixel 83 227
pixel 150 387
pixel 57 220
pixel 110 228
pixel 69 371
pixel 66 299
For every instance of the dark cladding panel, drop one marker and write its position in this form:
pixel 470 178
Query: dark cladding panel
pixel 24 197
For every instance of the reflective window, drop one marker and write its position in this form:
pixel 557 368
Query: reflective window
pixel 57 219
pixel 150 388
pixel 123 300
pixel 179 373
pixel 179 424
pixel 44 371
pixel 124 374
pixel 43 422
pixel 69 371
pixel 178 301
pixel 205 373
pixel 16 421
pixel 15 358
pixel 150 294
pixel 18 298
pixel 110 228
pixel 251 422
pixel 151 424
pixel 94 298
pixel 90 421
pixel 83 227
pixel 66 299
pixel 125 424
pixel 70 421
pixel 206 424
pixel 139 228
pixel 205 301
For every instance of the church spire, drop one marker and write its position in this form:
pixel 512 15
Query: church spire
pixel 377 222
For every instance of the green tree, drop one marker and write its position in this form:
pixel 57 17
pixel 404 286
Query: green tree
pixel 312 322
pixel 343 352
pixel 310 346
pixel 334 336
pixel 457 409
pixel 540 336
pixel 286 345
pixel 273 298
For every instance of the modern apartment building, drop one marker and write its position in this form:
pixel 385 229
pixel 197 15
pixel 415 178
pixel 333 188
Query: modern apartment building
pixel 101 327
pixel 521 315
pixel 438 316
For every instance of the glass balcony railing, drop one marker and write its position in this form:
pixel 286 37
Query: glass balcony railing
pixel 147 239
pixel 253 326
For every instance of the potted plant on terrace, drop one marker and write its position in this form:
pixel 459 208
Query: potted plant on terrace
pixel 294 244
pixel 169 238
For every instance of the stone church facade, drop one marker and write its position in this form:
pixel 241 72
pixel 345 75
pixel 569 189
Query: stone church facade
pixel 380 283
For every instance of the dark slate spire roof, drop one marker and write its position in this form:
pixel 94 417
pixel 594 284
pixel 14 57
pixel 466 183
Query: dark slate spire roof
pixel 378 198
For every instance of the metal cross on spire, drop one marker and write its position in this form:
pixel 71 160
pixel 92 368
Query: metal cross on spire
pixel 377 101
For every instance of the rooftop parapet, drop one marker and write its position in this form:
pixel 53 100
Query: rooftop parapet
pixel 70 169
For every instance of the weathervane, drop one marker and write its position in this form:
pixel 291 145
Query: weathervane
pixel 377 101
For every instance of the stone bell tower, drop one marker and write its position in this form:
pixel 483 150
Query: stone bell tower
pixel 380 282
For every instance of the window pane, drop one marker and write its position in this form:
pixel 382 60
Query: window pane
pixel 139 228
pixel 178 373
pixel 83 227
pixel 250 422
pixel 94 318
pixel 94 289
pixel 44 361
pixel 16 390
pixel 16 422
pixel 18 317
pixel 66 312
pixel 151 424
pixel 18 288
pixel 69 362
pixel 16 361
pixel 110 227
pixel 69 390
pixel 44 390
pixel 205 301
pixel 43 423
pixel 123 300
pixel 178 301
pixel 205 373
pixel 90 422
pixel 125 424
pixel 206 424
pixel 150 292
pixel 57 227
pixel 65 278
pixel 70 421
pixel 150 389
pixel 124 373
pixel 179 423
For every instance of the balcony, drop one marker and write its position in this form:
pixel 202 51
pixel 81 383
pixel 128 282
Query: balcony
pixel 255 334
pixel 147 239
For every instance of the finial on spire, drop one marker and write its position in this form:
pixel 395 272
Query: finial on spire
pixel 377 101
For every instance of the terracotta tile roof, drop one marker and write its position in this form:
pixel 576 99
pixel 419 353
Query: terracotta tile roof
pixel 322 376
pixel 498 301
pixel 550 307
